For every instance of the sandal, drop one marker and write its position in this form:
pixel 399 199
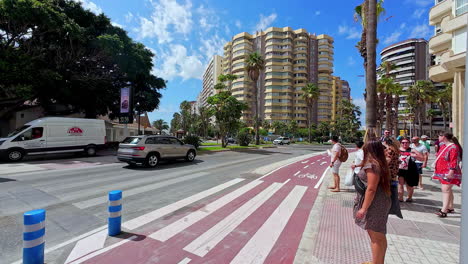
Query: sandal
pixel 441 214
pixel 450 211
pixel 409 200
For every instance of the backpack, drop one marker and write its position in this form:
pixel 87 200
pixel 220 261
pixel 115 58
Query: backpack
pixel 343 154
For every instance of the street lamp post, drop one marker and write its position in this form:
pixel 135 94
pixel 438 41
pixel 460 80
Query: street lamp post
pixel 138 110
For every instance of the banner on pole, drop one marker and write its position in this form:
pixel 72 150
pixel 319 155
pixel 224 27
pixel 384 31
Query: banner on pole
pixel 126 116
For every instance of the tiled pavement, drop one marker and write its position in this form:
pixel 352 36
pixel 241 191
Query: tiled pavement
pixel 421 237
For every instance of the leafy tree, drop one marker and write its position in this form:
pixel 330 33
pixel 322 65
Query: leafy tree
pixel 204 117
pixel 310 93
pixel 443 99
pixel 431 113
pixel 160 125
pixel 279 127
pixel 292 127
pixel 54 52
pixel 186 115
pixel 348 124
pixel 418 95
pixel 255 64
pixel 244 138
pixel 176 123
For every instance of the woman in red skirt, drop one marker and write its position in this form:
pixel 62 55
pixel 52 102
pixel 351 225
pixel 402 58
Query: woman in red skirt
pixel 447 170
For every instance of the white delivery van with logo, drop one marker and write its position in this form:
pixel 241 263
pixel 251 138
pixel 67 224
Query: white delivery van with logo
pixel 54 135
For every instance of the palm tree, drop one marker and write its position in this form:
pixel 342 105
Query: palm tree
pixel 444 99
pixel 292 127
pixel 310 94
pixel 204 118
pixel 160 125
pixel 419 94
pixel 255 64
pixel 431 113
pixel 279 127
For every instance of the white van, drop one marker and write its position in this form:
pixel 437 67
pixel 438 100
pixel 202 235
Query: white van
pixel 54 135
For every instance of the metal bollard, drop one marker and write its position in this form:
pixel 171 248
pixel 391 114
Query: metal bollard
pixel 115 213
pixel 33 237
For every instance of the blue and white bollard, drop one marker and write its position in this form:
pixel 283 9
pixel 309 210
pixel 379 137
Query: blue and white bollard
pixel 33 237
pixel 115 213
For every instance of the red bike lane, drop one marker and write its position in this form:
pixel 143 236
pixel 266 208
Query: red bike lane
pixel 261 221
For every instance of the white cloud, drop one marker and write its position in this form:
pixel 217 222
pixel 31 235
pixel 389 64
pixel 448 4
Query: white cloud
pixel 392 38
pixel 351 61
pixel 403 26
pixel 349 32
pixel 129 17
pixel 212 46
pixel 421 31
pixel 168 15
pixel 238 24
pixel 317 13
pixel 265 22
pixel 208 18
pixel 421 3
pixel 90 6
pixel 115 24
pixel 418 13
pixel 177 63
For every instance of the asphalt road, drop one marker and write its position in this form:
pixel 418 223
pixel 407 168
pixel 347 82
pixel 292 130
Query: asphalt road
pixel 76 197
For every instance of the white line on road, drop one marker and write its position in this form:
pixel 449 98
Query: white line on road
pixel 306 167
pixel 96 253
pixel 88 245
pixel 260 245
pixel 321 178
pixel 173 229
pixel 185 261
pixel 312 163
pixel 286 181
pixel 304 162
pixel 297 173
pixel 323 163
pixel 208 240
pixel 149 217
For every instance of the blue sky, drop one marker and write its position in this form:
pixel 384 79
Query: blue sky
pixel 185 34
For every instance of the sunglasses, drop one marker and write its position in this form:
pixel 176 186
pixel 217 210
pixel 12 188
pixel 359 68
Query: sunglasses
pixel 405 142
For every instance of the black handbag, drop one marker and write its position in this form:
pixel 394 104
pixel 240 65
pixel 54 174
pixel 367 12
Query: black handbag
pixel 359 185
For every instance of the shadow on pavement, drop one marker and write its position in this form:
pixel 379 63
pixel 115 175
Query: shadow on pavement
pixel 6 180
pixel 165 164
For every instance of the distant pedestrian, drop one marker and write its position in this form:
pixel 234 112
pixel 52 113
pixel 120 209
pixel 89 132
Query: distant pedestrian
pixel 408 172
pixel 385 136
pixel 371 208
pixel 358 157
pixel 426 143
pixel 448 171
pixel 420 149
pixel 335 163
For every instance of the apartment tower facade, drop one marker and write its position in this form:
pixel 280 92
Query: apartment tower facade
pixel 293 58
pixel 210 79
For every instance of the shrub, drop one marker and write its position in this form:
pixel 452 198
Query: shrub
pixel 193 140
pixel 244 139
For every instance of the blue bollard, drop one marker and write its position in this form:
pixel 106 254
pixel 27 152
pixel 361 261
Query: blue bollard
pixel 33 237
pixel 115 213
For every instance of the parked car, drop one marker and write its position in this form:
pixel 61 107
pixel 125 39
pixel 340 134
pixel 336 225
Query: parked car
pixel 54 135
pixel 281 141
pixel 149 150
pixel 231 140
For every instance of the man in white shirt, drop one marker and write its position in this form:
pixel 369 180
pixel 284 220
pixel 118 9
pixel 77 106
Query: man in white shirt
pixel 358 158
pixel 335 163
pixel 421 150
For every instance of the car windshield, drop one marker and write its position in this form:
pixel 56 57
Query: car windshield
pixel 131 140
pixel 17 131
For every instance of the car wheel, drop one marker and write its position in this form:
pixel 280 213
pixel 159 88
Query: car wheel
pixel 190 156
pixel 152 160
pixel 281 143
pixel 90 151
pixel 15 155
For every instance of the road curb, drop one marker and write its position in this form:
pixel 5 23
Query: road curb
pixel 305 252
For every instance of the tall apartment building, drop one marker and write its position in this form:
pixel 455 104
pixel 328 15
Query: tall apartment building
pixel 210 79
pixel 346 90
pixel 293 59
pixel 411 57
pixel 448 46
pixel 340 92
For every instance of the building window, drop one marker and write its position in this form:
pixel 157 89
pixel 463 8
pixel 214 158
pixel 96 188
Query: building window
pixel 461 7
pixel 437 29
pixel 459 40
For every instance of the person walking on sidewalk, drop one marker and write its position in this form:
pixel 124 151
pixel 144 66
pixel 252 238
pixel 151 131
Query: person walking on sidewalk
pixel 371 209
pixel 335 163
pixel 420 149
pixel 407 173
pixel 358 158
pixel 448 171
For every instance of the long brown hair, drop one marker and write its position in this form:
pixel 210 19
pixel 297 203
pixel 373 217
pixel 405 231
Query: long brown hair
pixel 374 153
pixel 455 141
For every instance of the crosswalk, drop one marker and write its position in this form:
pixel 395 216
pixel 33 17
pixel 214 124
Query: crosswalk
pixel 259 221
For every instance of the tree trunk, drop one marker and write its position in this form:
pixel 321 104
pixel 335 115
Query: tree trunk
pixel 396 102
pixel 421 122
pixel 371 78
pixel 256 124
pixel 430 125
pixel 388 112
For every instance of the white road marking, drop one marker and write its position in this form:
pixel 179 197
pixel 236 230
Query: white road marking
pixel 323 163
pixel 260 245
pixel 306 167
pixel 88 245
pixel 173 229
pixel 321 178
pixel 287 181
pixel 185 261
pixel 138 190
pixel 97 253
pixel 312 163
pixel 149 217
pixel 304 162
pixel 297 173
pixel 208 240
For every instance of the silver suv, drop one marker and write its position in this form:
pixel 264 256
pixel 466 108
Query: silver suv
pixel 149 150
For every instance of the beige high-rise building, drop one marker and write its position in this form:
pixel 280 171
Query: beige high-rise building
pixel 448 46
pixel 340 92
pixel 293 58
pixel 210 79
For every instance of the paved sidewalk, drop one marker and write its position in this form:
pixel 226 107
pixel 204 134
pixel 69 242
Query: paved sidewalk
pixel 421 237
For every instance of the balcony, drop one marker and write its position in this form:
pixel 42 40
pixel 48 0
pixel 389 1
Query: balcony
pixel 439 11
pixel 440 42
